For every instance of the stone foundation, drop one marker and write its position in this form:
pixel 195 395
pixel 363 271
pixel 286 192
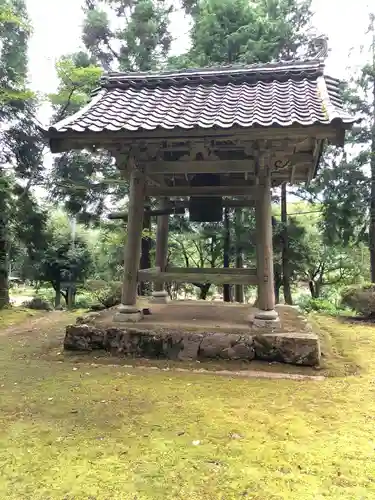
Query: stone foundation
pixel 294 348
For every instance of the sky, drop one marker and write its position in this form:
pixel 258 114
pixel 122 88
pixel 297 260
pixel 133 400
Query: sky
pixel 57 31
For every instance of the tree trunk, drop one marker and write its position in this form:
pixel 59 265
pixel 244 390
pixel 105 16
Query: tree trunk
pixel 314 289
pixel 4 266
pixel 278 284
pixel 285 247
pixel 226 259
pixel 372 163
pixel 57 295
pixel 239 289
pixel 145 260
pixel 204 288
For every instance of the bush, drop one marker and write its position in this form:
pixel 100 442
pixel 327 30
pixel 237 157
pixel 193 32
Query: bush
pixel 360 298
pixel 309 304
pixel 38 304
pixel 107 293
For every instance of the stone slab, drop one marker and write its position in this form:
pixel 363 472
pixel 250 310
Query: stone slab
pixel 294 348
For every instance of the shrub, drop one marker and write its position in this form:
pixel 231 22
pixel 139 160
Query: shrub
pixel 360 298
pixel 309 304
pixel 107 293
pixel 38 303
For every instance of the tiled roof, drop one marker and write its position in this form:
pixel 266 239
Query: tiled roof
pixel 282 94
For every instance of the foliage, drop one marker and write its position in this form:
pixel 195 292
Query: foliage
pixel 139 39
pixel 21 145
pixel 107 293
pixel 234 31
pixel 63 259
pixel 360 298
pixel 85 181
pixel 309 304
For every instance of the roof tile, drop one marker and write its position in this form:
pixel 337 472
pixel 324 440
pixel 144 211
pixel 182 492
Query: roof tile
pixel 282 94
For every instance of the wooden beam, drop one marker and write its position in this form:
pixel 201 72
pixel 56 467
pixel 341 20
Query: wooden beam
pixel 218 166
pixel 149 213
pixel 214 270
pixel 226 203
pixel 64 141
pixel 188 275
pixel 202 191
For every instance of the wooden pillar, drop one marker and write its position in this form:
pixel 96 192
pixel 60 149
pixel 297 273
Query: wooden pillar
pixel 160 294
pixel 133 247
pixel 266 292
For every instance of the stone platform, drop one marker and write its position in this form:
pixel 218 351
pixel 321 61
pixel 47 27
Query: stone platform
pixel 198 330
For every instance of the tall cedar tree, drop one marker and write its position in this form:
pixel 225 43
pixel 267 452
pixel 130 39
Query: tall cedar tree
pixel 21 145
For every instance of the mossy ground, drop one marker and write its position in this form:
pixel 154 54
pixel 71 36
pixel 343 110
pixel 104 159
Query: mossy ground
pixel 74 430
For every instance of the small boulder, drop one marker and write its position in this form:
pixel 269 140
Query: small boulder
pixel 83 338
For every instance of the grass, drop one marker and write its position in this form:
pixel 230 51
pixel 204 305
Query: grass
pixel 14 315
pixel 81 431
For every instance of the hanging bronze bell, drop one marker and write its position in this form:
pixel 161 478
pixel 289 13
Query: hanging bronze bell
pixel 206 208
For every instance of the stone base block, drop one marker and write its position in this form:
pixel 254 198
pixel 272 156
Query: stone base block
pixel 294 348
pixel 266 315
pixel 266 324
pixel 128 317
pixel 265 320
pixel 127 314
pixel 160 297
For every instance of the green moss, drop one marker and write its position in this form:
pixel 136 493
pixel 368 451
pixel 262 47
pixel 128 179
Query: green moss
pixel 73 430
pixel 14 315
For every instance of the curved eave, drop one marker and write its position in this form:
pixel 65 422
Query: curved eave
pixel 63 141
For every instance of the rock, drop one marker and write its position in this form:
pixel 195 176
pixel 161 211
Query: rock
pixel 97 307
pixel 87 318
pixel 38 304
pixel 294 348
pixel 243 350
pixel 188 346
pixel 217 345
pixel 111 340
pixel 83 338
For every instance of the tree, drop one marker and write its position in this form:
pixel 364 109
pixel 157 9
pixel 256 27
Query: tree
pixel 367 84
pixel 63 259
pixel 239 31
pixel 21 144
pixel 138 41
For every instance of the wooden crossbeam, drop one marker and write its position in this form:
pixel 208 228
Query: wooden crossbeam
pixel 201 191
pixel 218 166
pixel 150 213
pixel 200 275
